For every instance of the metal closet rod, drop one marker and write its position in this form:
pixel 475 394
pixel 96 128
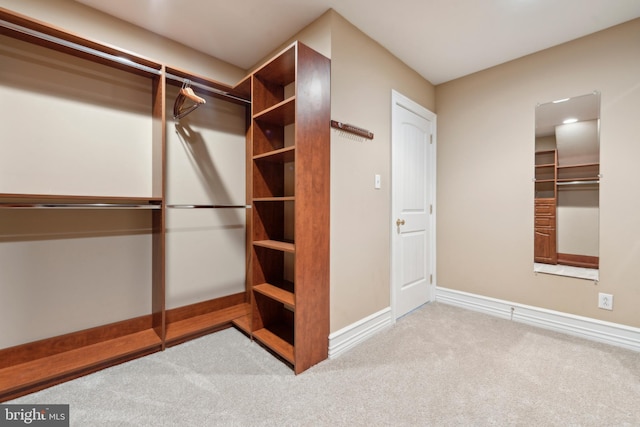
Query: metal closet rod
pixel 209 206
pixel 13 205
pixel 112 58
pixel 578 182
pixel 205 87
pixel 78 47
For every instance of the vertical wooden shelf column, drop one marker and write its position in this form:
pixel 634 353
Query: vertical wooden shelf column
pixel 158 217
pixel 546 175
pixel 290 198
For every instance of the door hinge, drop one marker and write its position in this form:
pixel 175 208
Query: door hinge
pixel 430 209
pixel 431 279
pixel 431 138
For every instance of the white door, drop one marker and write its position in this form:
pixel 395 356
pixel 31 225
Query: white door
pixel 413 194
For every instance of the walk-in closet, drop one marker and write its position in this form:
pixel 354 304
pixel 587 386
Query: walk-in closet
pixel 127 205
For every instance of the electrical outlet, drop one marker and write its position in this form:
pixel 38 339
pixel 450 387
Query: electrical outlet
pixel 605 301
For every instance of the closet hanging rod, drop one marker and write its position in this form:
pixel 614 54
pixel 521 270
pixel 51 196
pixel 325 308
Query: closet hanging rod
pixel 578 182
pixel 209 206
pixel 12 205
pixel 78 47
pixel 205 87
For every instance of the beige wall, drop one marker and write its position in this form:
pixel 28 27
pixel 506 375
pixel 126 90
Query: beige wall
pixel 72 127
pixel 363 73
pixel 205 164
pixel 73 121
pixel 577 219
pixel 485 158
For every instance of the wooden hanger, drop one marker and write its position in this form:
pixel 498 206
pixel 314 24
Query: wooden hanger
pixel 179 111
pixel 188 92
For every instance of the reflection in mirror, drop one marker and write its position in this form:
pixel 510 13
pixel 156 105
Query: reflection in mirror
pixel 567 178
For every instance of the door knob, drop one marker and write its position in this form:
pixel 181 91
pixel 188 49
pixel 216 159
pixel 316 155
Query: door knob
pixel 399 222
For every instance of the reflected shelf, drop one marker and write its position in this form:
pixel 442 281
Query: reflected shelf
pixel 578 182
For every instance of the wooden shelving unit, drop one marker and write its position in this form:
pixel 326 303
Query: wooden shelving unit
pixel 578 173
pixel 290 198
pixel 28 367
pixel 286 304
pixel 550 178
pixel 546 163
pixel 545 231
pixel 546 175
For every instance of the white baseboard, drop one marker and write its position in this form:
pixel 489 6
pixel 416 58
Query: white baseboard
pixel 584 327
pixel 352 335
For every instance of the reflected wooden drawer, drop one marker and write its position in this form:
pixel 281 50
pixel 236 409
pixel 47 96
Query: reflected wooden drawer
pixel 545 208
pixel 545 221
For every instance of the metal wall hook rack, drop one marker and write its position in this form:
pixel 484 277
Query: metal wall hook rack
pixel 355 130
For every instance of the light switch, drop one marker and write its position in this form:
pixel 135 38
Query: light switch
pixel 377 182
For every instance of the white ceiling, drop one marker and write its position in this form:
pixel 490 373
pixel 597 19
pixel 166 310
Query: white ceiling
pixel 440 39
pixel 552 114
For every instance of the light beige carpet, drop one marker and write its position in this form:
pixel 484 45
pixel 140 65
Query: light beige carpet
pixel 438 366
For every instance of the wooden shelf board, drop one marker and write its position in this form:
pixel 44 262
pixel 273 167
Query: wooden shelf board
pixel 282 155
pixel 275 343
pixel 276 245
pixel 71 362
pixel 579 165
pixel 282 114
pixel 281 69
pixel 276 293
pixel 243 87
pixel 243 323
pixel 275 199
pixel 200 325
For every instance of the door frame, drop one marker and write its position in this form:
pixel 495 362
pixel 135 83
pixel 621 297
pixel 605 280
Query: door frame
pixel 399 100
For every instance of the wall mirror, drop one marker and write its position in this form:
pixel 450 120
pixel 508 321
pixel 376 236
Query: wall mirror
pixel 566 181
